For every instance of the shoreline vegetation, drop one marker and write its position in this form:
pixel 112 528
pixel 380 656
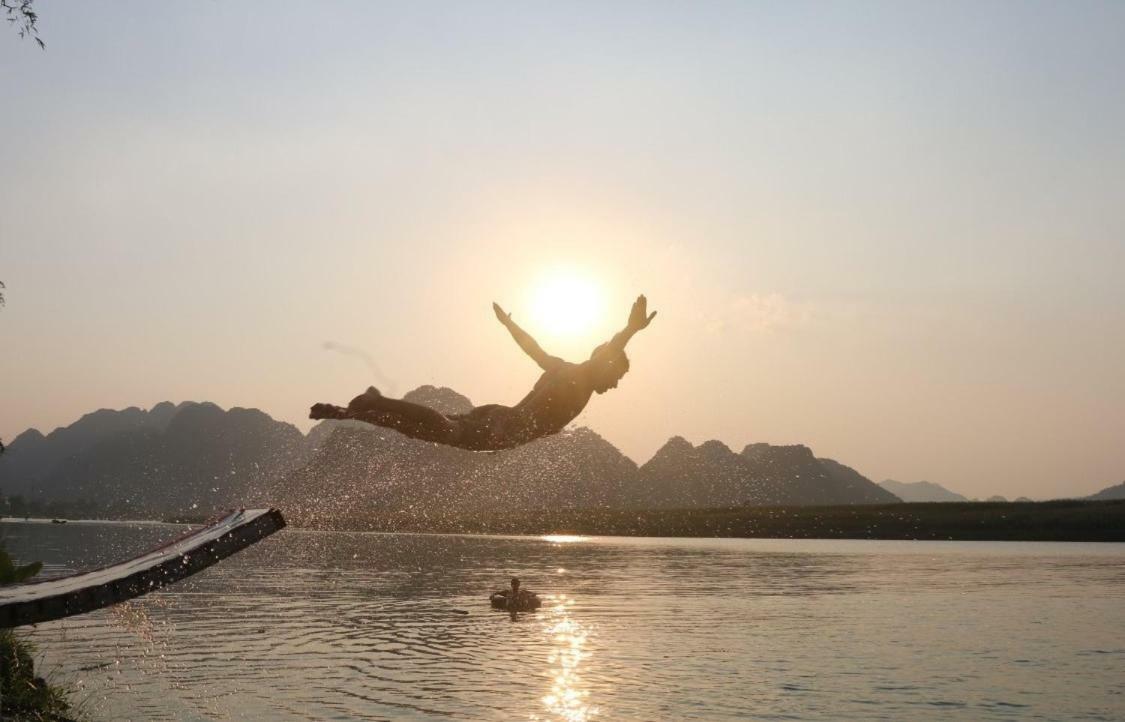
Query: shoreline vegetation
pixel 1061 520
pixel 1056 520
pixel 23 694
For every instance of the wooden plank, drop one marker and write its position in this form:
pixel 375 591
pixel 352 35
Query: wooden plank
pixel 43 601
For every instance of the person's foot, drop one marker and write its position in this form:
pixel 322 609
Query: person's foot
pixel 365 400
pixel 327 411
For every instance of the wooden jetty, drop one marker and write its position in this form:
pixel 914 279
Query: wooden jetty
pixel 42 601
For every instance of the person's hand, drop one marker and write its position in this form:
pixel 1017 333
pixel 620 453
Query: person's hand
pixel 639 317
pixel 504 318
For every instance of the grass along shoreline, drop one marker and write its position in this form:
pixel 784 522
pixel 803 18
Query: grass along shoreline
pixel 1061 520
pixel 1056 520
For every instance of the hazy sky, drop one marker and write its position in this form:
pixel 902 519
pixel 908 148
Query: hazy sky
pixel 892 231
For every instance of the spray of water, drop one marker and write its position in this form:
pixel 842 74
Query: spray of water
pixel 382 381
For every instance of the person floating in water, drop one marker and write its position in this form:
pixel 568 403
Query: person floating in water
pixel 512 598
pixel 515 599
pixel 557 398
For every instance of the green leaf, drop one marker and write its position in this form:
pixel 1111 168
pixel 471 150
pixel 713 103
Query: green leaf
pixel 27 571
pixel 11 574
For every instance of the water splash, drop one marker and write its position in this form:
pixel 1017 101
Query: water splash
pixel 384 382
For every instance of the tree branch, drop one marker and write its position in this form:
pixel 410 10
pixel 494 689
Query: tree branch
pixel 22 15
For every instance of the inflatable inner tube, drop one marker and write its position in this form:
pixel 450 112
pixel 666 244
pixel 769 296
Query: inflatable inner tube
pixel 525 602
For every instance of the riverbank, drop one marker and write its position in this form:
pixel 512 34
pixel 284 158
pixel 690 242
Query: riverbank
pixel 1058 520
pixel 23 694
pixel 1063 520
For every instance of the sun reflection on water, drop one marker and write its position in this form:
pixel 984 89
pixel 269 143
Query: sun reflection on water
pixel 567 698
pixel 563 538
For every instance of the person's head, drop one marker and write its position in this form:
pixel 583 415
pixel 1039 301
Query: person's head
pixel 515 583
pixel 608 367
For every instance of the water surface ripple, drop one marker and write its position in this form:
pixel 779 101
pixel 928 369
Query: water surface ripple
pixel 340 626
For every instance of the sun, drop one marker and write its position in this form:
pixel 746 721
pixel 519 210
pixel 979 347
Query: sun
pixel 567 305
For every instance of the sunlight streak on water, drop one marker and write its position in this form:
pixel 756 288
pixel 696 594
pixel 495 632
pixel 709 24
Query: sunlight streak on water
pixel 564 538
pixel 568 698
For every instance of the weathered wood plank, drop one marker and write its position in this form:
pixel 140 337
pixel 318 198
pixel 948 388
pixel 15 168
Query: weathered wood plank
pixel 43 601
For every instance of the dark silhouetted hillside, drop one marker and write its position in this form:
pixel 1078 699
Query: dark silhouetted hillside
pixel 682 476
pixel 1116 491
pixel 711 475
pixel 920 491
pixel 359 471
pixel 574 469
pixel 439 398
pixel 362 472
pixel 32 457
pixel 850 484
pixel 196 458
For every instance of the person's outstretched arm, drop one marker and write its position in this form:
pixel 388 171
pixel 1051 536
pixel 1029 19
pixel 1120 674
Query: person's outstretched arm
pixel 639 318
pixel 529 345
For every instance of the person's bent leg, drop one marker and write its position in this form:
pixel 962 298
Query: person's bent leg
pixel 414 420
pixel 423 426
pixel 374 403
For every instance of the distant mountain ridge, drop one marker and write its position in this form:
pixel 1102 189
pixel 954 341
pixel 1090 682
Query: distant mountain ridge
pixel 712 475
pixel 143 463
pixel 920 491
pixel 1117 491
pixel 196 457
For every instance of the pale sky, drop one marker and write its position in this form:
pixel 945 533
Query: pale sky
pixel 892 231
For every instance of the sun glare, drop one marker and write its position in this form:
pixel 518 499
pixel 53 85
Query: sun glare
pixel 563 538
pixel 567 305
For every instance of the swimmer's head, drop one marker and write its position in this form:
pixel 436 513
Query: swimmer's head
pixel 610 366
pixel 515 583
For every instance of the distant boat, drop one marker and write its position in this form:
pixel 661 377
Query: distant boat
pixel 58 521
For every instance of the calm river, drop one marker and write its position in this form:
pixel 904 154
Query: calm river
pixel 340 626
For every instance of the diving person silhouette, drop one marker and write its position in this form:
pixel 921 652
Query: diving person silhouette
pixel 560 395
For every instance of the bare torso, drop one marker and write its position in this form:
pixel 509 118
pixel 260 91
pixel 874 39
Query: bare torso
pixel 558 397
